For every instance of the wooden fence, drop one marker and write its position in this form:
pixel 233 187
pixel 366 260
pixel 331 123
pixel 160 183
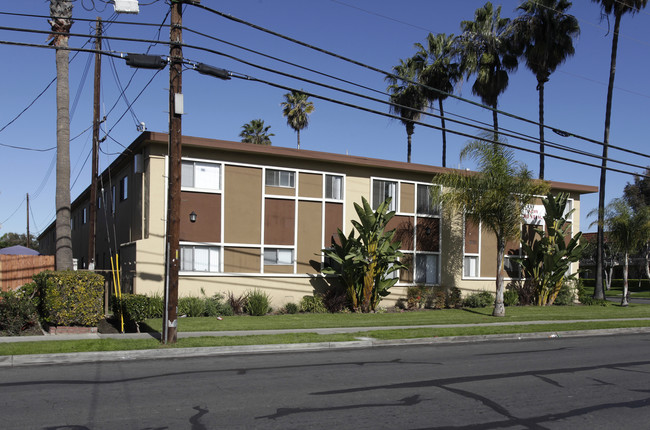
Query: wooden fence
pixel 17 270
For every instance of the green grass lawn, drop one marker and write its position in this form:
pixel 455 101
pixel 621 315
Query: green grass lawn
pixel 445 316
pixel 613 315
pixel 616 291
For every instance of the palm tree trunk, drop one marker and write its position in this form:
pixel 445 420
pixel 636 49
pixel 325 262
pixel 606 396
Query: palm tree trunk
pixel 408 147
pixel 540 86
pixel 298 134
pixel 444 134
pixel 625 269
pixel 499 307
pixel 599 292
pixel 63 255
pixel 495 120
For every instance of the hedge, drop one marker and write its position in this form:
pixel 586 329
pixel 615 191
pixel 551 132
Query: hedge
pixel 633 284
pixel 70 298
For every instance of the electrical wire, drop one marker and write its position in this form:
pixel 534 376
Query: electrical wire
pixel 317 96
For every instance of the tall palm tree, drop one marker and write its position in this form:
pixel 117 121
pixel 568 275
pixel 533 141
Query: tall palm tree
pixel 407 99
pixel 547 32
pixel 628 230
pixel 61 21
pixel 496 197
pixel 489 53
pixel 618 8
pixel 296 108
pixel 255 132
pixel 438 70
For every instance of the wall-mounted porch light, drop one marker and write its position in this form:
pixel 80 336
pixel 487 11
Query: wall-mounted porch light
pixel 193 217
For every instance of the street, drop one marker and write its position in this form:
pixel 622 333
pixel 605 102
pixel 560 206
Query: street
pixel 599 382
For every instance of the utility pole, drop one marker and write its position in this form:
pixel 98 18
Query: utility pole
pixel 28 220
pixel 95 162
pixel 174 174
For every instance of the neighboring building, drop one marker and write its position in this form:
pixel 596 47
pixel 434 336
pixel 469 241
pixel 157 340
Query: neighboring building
pixel 264 213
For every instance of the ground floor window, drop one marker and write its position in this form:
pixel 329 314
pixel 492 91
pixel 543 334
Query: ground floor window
pixel 470 266
pixel 427 268
pixel 278 256
pixel 200 258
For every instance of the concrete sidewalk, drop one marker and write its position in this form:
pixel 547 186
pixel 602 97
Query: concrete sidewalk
pixel 360 342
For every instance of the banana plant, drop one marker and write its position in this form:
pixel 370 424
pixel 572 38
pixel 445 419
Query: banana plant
pixel 548 258
pixel 364 262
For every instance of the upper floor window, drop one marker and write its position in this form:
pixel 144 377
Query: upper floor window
pixel 201 176
pixel 425 204
pixel 84 215
pixel 280 178
pixel 334 187
pixel 113 199
pixel 124 188
pixel 381 190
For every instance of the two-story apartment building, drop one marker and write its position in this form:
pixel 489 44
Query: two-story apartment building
pixel 264 213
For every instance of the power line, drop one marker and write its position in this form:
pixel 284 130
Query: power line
pixel 459 133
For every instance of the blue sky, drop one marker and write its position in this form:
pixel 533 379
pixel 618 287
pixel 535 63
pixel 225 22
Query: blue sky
pixel 374 32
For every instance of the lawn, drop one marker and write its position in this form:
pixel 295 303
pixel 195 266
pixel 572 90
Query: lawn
pixel 429 317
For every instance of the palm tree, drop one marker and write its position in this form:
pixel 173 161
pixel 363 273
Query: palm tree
pixel 437 70
pixel 61 21
pixel 255 132
pixel 628 230
pixel 487 50
pixel 547 33
pixel 618 8
pixel 406 98
pixel 296 108
pixel 495 196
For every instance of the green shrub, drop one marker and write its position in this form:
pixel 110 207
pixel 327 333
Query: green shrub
pixel 566 296
pixel 436 298
pixel 290 308
pixel 191 306
pixel 633 284
pixel 454 298
pixel 416 296
pixel 313 304
pixel 401 303
pixel 155 306
pixel 335 300
pixel 70 297
pixel 134 308
pixel 510 297
pixel 586 298
pixel 481 299
pixel 17 313
pixel 258 303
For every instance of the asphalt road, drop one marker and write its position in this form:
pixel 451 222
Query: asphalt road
pixel 557 383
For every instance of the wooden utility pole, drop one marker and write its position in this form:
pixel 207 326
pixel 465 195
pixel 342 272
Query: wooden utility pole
pixel 28 221
pixel 174 178
pixel 95 163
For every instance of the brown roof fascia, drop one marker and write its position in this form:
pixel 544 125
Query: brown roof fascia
pixel 352 160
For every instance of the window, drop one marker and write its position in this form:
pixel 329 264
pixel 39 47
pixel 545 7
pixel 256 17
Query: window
pixel 569 208
pixel 84 215
pixel 470 266
pixel 278 256
pixel 280 178
pixel 511 267
pixel 381 191
pixel 201 176
pixel 425 204
pixel 124 188
pixel 199 258
pixel 426 269
pixel 334 187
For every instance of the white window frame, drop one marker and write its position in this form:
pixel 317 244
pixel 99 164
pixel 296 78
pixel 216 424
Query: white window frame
pixel 332 190
pixel 195 165
pixel 213 263
pixel 431 211
pixel 376 182
pixel 278 176
pixel 124 188
pixel 276 260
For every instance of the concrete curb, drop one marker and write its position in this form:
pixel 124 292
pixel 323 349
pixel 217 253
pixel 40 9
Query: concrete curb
pixel 117 356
